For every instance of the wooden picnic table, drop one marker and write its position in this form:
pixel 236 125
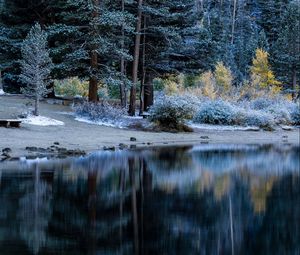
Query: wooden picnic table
pixel 10 123
pixel 145 115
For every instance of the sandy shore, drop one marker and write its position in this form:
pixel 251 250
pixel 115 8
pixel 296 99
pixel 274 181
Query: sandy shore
pixel 89 137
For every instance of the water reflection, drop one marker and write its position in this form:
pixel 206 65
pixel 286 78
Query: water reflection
pixel 205 199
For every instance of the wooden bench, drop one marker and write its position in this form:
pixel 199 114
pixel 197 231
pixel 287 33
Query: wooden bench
pixel 10 123
pixel 145 115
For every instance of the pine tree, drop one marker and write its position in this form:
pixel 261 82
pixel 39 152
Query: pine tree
pixel 246 39
pixel 35 65
pixel 16 19
pixel 263 41
pixel 287 47
pixel 86 40
pixel 231 36
pixel 270 16
pixel 168 26
pixel 162 40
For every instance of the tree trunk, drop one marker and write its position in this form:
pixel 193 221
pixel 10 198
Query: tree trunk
pixel 1 86
pixel 121 206
pixel 51 94
pixel 148 92
pixel 294 94
pixel 36 106
pixel 231 225
pixel 93 89
pixel 233 21
pixel 122 85
pixel 92 212
pixel 131 164
pixel 136 56
pixel 142 91
pixel 93 82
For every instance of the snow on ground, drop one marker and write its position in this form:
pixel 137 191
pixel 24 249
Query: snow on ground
pixel 133 117
pixel 119 124
pixel 122 122
pixel 65 113
pixel 222 127
pixel 2 92
pixel 42 121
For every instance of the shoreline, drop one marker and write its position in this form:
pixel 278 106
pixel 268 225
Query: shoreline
pixel 75 135
pixel 120 140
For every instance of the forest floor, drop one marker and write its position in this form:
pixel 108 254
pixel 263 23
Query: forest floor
pixel 88 137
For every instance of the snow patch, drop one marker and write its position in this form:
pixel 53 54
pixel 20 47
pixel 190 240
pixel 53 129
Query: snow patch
pixel 222 127
pixel 133 117
pixel 66 113
pixel 42 121
pixel 2 92
pixel 118 124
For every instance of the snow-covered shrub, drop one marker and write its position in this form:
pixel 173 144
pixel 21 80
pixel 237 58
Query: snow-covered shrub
pixel 261 103
pixel 223 113
pixel 257 118
pixel 216 112
pixel 280 108
pixel 280 114
pixel 172 110
pixel 99 111
pixel 295 114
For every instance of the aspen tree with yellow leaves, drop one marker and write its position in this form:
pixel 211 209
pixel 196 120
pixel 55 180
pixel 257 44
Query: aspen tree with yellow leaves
pixel 261 72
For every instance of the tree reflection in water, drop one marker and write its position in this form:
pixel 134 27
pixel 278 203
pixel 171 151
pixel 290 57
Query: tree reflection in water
pixel 201 200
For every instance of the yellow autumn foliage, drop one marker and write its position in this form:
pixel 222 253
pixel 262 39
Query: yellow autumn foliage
pixel 208 84
pixel 261 72
pixel 223 77
pixel 71 87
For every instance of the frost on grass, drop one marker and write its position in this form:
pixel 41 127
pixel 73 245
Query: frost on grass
pixel 101 113
pixel 170 112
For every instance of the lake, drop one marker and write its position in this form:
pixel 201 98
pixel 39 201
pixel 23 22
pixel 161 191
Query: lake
pixel 206 199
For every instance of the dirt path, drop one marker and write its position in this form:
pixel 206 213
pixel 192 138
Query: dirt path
pixel 88 137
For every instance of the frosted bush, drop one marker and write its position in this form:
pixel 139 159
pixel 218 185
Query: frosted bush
pixel 280 108
pixel 295 114
pixel 216 112
pixel 280 113
pixel 261 103
pixel 173 110
pixel 223 113
pixel 257 118
pixel 99 111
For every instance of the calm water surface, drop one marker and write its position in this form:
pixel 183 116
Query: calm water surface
pixel 207 199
